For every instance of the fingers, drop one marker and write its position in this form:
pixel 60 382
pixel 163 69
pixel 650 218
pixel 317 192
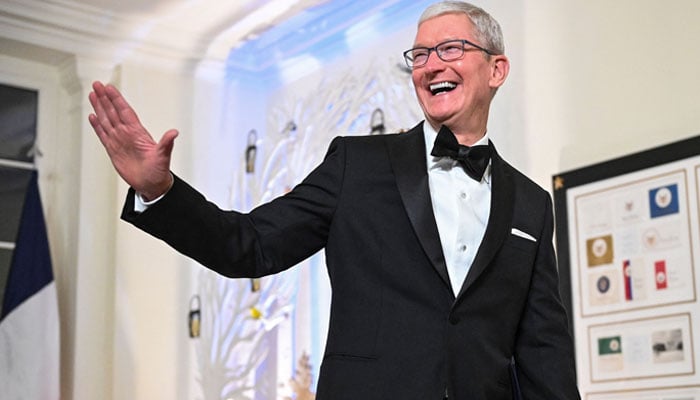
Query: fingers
pixel 99 123
pixel 122 110
pixel 106 96
pixel 97 127
pixel 111 109
pixel 99 120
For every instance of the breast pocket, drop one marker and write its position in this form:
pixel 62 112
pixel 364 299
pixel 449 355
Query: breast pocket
pixel 521 244
pixel 515 261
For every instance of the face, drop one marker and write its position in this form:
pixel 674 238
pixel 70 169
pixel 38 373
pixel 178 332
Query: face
pixel 456 93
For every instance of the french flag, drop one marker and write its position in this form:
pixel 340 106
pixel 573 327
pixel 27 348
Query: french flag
pixel 29 329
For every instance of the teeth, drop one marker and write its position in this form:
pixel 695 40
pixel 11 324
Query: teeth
pixel 442 86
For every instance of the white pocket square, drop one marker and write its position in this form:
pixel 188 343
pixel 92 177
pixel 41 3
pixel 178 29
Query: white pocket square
pixel 518 232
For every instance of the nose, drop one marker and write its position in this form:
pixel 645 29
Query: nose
pixel 434 62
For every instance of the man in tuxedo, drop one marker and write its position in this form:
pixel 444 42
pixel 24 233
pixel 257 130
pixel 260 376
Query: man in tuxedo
pixel 439 253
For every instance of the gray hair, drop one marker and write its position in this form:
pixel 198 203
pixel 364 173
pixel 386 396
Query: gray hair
pixel 488 31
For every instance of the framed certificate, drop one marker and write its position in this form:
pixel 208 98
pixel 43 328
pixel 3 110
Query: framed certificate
pixel 628 238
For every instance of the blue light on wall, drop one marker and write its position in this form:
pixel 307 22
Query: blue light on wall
pixel 318 35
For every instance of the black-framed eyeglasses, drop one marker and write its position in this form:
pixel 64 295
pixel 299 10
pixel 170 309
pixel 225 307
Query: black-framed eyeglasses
pixel 449 50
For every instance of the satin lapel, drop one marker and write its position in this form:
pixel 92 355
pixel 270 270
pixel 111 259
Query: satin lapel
pixel 500 217
pixel 407 156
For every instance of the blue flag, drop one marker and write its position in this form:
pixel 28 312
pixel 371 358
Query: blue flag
pixel 663 201
pixel 30 269
pixel 29 331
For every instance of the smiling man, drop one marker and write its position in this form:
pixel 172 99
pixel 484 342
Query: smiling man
pixel 439 253
pixel 456 85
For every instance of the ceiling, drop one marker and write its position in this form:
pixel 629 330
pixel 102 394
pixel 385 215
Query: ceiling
pixel 245 34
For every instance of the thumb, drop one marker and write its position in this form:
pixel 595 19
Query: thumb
pixel 167 141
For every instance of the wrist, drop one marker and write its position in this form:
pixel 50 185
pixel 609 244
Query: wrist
pixel 157 191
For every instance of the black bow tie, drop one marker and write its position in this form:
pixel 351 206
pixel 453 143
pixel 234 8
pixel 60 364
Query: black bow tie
pixel 473 160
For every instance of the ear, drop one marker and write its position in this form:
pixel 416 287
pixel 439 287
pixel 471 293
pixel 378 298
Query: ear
pixel 500 66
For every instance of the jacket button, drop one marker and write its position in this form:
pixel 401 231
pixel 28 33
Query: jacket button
pixel 454 320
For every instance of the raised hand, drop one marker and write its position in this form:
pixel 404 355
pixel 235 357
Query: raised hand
pixel 141 161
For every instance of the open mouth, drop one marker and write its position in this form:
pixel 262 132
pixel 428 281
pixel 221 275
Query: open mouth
pixel 442 87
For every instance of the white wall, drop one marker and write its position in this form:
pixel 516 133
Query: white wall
pixel 607 78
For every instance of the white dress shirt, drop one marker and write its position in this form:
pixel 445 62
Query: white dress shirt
pixel 461 206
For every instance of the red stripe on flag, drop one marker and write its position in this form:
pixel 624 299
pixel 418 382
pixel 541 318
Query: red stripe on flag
pixel 660 273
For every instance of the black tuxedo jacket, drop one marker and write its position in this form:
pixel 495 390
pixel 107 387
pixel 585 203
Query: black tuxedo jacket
pixel 396 329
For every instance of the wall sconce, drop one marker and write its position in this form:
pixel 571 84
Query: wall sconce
pixel 251 151
pixel 376 124
pixel 195 316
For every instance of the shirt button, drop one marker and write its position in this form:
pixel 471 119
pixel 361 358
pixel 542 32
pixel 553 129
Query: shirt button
pixel 463 247
pixel 463 196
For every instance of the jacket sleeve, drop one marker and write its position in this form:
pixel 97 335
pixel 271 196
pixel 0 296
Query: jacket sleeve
pixel 269 239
